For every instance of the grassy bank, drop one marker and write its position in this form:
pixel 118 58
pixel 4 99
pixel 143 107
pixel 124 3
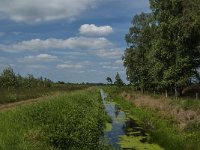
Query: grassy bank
pixel 74 120
pixel 164 128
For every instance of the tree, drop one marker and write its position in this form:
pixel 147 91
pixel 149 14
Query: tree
pixel 176 44
pixel 163 50
pixel 109 80
pixel 135 59
pixel 8 78
pixel 118 80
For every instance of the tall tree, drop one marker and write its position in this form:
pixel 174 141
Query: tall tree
pixel 118 80
pixel 164 47
pixel 135 55
pixel 175 48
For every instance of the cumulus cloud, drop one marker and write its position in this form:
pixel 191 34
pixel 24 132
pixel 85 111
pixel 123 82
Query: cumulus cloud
pixel 40 57
pixel 114 53
pixel 69 66
pixel 93 30
pixel 30 11
pixel 46 57
pixel 111 67
pixel 74 65
pixel 70 43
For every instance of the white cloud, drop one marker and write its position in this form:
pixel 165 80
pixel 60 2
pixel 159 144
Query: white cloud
pixel 40 57
pixel 111 67
pixel 51 43
pixel 30 11
pixel 74 65
pixel 115 53
pixel 89 43
pixel 93 30
pixel 69 66
pixel 46 57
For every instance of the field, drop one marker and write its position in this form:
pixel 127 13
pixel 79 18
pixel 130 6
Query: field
pixel 76 118
pixel 71 120
pixel 21 93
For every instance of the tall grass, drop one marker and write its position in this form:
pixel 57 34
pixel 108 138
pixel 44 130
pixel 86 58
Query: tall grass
pixel 70 121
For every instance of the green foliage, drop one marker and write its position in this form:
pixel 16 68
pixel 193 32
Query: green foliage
pixel 8 78
pixel 163 46
pixel 15 87
pixel 118 80
pixel 109 80
pixel 69 121
pixel 135 55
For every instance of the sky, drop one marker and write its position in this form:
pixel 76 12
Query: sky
pixel 66 40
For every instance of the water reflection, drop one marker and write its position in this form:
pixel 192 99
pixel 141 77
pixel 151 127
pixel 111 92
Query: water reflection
pixel 121 124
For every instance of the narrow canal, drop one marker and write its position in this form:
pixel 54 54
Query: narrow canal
pixel 124 133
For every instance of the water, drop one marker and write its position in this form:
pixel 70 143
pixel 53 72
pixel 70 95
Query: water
pixel 121 124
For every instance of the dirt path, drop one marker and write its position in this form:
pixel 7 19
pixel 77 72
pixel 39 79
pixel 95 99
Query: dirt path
pixel 8 106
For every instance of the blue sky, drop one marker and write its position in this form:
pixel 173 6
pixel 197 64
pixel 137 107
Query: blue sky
pixel 66 40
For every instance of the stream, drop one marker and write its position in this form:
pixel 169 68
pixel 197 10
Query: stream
pixel 124 133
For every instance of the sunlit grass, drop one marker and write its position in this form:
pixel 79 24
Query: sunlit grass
pixel 70 121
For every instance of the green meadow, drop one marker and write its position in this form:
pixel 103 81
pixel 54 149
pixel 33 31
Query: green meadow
pixel 71 120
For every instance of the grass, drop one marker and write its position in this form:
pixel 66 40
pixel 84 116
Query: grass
pixel 73 121
pixel 163 130
pixel 18 94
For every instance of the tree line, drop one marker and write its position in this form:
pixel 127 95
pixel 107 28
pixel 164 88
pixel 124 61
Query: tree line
pixel 10 80
pixel 163 47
